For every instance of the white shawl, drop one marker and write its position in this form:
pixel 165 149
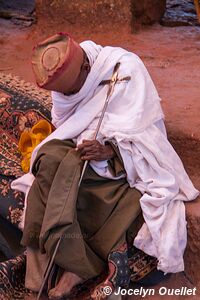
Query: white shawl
pixel 133 120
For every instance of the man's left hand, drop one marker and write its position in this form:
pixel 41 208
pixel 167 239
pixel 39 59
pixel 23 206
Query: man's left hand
pixel 93 150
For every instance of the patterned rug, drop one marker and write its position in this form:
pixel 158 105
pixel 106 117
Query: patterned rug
pixel 122 270
pixel 21 106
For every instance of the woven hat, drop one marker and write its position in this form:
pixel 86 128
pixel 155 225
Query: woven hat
pixel 57 62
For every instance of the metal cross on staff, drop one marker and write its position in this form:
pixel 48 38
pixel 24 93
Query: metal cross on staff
pixel 108 81
pixel 114 79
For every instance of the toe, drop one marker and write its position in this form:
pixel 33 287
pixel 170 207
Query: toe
pixel 53 294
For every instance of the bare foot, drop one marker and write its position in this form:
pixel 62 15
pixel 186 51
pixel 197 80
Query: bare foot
pixel 64 286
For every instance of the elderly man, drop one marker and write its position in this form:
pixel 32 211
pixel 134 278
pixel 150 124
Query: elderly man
pixel 131 166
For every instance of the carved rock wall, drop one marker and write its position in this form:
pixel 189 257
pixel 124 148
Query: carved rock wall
pixel 87 13
pixel 101 12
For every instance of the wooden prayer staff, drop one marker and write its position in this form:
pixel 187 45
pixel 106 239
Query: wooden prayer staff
pixel 112 82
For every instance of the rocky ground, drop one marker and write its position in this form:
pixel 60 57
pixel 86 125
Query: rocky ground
pixel 172 57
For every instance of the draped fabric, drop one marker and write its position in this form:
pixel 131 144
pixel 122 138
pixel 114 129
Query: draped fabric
pixel 134 122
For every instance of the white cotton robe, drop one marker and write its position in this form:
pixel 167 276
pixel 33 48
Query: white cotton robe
pixel 134 122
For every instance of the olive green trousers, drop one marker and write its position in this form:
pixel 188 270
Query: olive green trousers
pixel 91 220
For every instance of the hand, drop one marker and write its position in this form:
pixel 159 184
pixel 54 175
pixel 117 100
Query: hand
pixel 93 150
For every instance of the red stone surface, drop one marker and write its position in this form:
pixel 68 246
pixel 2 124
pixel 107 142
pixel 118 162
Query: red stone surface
pixel 172 57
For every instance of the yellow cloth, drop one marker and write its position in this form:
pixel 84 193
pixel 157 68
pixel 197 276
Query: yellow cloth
pixel 29 140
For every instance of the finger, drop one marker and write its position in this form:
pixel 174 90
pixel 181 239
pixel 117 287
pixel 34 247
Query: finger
pixel 91 153
pixel 89 150
pixel 94 147
pixel 96 153
pixel 89 157
pixel 87 143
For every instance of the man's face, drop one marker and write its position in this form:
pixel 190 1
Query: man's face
pixel 84 70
